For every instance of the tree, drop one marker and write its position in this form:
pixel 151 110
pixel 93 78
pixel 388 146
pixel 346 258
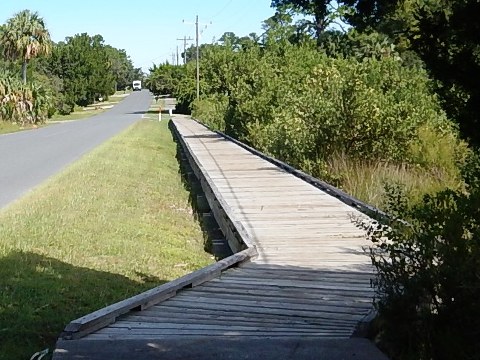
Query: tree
pixel 122 67
pixel 374 14
pixel 446 38
pixel 280 27
pixel 324 12
pixel 24 37
pixel 444 34
pixel 82 63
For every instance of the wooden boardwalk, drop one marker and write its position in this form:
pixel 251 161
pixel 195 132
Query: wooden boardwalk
pixel 299 280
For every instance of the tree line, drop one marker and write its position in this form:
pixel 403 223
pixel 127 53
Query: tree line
pixel 378 97
pixel 39 78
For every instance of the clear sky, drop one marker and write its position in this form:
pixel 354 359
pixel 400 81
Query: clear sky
pixel 146 29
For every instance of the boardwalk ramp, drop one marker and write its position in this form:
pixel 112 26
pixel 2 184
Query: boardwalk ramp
pixel 297 287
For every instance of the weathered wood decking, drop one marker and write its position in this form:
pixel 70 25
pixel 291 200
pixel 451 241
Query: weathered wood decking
pixel 299 289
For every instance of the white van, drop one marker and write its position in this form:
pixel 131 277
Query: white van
pixel 137 85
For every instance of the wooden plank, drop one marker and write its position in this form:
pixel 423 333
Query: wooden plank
pixel 259 302
pixel 340 264
pixel 302 222
pixel 169 334
pixel 280 300
pixel 290 283
pixel 131 327
pixel 314 249
pixel 211 319
pixel 325 233
pixel 155 295
pixel 221 348
pixel 325 208
pixel 362 282
pixel 321 275
pixel 165 310
pixel 340 298
pixel 259 311
pixel 291 216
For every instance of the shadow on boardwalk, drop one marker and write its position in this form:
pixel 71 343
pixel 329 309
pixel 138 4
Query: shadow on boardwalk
pixel 248 312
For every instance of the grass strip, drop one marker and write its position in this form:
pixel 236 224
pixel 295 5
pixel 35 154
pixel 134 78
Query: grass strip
pixel 8 127
pixel 90 110
pixel 113 224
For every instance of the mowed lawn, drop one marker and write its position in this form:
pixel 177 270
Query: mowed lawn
pixel 115 223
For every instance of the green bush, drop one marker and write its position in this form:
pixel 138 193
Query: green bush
pixel 23 103
pixel 211 110
pixel 301 106
pixel 428 267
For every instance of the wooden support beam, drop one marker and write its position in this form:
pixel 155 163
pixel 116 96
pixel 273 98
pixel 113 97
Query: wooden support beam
pixel 202 203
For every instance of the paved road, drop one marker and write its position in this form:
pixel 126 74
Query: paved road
pixel 28 158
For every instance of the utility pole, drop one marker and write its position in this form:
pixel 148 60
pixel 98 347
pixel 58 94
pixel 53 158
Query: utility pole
pixel 197 35
pixel 198 63
pixel 185 48
pixel 177 55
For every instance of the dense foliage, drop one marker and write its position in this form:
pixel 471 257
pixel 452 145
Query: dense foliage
pixel 444 34
pixel 164 79
pixel 23 103
pixel 303 107
pixel 61 76
pixel 82 63
pixel 87 69
pixel 428 261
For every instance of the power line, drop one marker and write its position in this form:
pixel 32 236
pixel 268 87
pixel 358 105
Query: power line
pixel 222 10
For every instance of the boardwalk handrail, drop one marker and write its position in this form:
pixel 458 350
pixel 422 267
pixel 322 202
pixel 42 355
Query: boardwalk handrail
pixel 103 317
pixel 322 185
pixel 210 189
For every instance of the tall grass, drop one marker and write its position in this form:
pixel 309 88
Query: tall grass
pixel 367 180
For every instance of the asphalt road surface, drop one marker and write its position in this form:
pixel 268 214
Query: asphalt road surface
pixel 28 158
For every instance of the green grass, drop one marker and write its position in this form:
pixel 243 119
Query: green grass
pixel 77 114
pixel 115 223
pixel 8 127
pixel 152 113
pixel 90 110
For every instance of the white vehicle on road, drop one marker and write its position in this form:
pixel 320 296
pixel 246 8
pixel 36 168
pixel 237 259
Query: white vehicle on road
pixel 137 85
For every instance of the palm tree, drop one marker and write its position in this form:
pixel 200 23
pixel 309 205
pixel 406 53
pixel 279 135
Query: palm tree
pixel 24 37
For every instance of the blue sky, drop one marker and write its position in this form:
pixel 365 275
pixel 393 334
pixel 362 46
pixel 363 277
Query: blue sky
pixel 146 29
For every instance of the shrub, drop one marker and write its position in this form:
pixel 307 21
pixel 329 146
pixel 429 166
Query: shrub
pixel 301 106
pixel 428 281
pixel 23 103
pixel 297 104
pixel 211 110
